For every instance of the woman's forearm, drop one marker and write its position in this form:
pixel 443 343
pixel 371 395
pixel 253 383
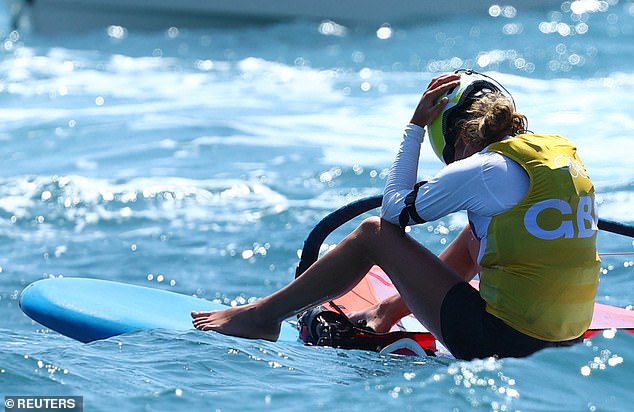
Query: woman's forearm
pixel 393 309
pixel 402 177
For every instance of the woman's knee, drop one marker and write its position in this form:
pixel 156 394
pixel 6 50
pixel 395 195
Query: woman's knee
pixel 370 227
pixel 374 228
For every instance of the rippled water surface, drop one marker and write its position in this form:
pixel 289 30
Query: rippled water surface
pixel 198 160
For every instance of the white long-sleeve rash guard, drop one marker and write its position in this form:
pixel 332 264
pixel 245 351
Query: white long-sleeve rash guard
pixel 485 184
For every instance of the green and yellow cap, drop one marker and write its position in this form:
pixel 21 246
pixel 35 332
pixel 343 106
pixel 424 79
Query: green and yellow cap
pixel 442 135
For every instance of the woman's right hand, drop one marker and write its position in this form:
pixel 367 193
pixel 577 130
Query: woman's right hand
pixel 431 103
pixel 382 316
pixel 372 318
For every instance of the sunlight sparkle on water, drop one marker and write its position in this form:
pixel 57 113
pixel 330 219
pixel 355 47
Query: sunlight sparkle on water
pixel 330 28
pixel 502 11
pixel 117 32
pixel 588 6
pixel 384 32
pixel 605 359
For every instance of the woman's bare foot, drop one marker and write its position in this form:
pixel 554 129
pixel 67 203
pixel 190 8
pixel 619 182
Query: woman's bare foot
pixel 241 321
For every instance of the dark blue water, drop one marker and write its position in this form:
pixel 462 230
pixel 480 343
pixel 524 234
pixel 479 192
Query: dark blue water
pixel 198 160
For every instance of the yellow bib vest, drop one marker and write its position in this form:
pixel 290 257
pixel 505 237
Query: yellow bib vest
pixel 540 267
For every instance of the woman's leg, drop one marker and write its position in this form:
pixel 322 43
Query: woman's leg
pixel 461 256
pixel 420 277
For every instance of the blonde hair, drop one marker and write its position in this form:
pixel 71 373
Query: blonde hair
pixel 489 119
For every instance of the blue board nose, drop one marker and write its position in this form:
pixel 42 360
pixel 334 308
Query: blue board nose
pixel 92 309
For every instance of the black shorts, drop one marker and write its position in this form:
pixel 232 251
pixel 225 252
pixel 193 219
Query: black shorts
pixel 469 331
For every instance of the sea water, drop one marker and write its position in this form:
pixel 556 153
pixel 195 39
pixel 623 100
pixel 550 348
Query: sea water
pixel 197 161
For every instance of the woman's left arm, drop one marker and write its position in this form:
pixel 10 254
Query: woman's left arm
pixel 403 173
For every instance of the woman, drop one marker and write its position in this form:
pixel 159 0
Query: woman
pixel 531 236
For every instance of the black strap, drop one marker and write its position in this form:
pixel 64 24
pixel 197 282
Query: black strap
pixel 409 211
pixel 322 327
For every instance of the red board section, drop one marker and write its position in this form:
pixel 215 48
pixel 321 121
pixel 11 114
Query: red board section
pixel 377 286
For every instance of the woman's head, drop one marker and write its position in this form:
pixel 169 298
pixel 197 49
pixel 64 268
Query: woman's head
pixel 479 111
pixel 487 119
